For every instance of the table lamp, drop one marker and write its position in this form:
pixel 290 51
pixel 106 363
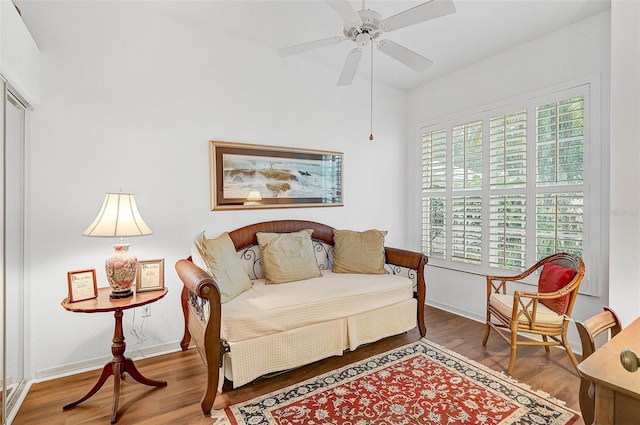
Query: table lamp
pixel 119 217
pixel 254 198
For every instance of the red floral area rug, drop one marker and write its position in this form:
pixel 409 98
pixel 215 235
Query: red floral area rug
pixel 419 383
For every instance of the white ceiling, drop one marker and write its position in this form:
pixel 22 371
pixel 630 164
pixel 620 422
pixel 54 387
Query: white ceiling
pixel 478 29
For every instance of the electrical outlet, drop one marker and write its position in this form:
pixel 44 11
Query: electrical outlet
pixel 146 311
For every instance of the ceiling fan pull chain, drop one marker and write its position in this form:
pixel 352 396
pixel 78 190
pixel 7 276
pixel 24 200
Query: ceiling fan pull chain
pixel 371 98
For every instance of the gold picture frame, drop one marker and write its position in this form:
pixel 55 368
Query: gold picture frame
pixel 150 275
pixel 82 285
pixel 245 176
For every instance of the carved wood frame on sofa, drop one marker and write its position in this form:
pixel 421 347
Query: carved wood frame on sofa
pixel 206 336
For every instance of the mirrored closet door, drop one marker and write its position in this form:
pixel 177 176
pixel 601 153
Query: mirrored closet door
pixel 12 155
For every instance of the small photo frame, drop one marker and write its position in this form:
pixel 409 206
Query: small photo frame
pixel 82 285
pixel 150 275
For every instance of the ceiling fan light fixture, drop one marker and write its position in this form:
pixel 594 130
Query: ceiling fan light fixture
pixel 362 40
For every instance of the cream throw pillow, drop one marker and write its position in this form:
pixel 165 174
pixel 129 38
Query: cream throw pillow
pixel 359 252
pixel 221 261
pixel 287 257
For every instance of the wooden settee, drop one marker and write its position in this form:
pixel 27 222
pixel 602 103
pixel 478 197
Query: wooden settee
pixel 202 307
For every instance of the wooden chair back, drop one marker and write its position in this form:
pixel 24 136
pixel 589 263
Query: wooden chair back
pixel 589 330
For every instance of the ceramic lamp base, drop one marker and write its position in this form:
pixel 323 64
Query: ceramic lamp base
pixel 121 270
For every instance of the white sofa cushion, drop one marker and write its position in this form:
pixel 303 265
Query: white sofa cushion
pixel 218 257
pixel 266 309
pixel 288 257
pixel 359 252
pixel 504 304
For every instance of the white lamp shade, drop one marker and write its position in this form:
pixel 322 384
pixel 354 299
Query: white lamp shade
pixel 118 217
pixel 254 195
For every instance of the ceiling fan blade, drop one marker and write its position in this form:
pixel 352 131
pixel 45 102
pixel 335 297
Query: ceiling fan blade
pixel 344 9
pixel 423 12
pixel 299 48
pixel 350 67
pixel 408 57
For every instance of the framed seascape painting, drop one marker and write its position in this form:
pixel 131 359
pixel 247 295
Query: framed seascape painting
pixel 247 176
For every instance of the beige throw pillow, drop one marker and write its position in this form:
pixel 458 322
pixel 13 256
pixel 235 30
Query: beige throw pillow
pixel 359 252
pixel 287 257
pixel 221 261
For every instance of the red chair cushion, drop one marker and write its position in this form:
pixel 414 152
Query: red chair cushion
pixel 552 278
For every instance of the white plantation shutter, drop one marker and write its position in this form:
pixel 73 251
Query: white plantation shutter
pixel 508 150
pixel 434 175
pixel 507 232
pixel 467 156
pixel 505 187
pixel 559 223
pixel 433 225
pixel 508 170
pixel 560 162
pixel 434 158
pixel 560 142
pixel 466 229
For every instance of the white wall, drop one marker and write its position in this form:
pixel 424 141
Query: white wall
pixel 130 99
pixel 19 55
pixel 578 52
pixel 624 288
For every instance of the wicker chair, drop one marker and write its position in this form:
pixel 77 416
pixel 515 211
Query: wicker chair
pixel 528 312
pixel 589 331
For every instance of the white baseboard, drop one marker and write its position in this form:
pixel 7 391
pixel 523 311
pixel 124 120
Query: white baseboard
pixel 457 311
pixel 99 362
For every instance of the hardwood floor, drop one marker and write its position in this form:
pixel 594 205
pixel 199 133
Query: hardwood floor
pixel 179 401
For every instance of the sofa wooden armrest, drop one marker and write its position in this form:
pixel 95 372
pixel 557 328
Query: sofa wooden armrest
pixel 414 261
pixel 206 333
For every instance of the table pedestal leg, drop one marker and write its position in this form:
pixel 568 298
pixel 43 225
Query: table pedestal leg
pixel 117 368
pixel 131 369
pixel 107 371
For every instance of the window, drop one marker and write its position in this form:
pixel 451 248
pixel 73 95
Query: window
pixel 506 187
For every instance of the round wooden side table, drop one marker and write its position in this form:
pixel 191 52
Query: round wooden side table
pixel 120 364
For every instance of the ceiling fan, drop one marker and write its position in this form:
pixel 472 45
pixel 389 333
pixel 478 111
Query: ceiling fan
pixel 365 27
